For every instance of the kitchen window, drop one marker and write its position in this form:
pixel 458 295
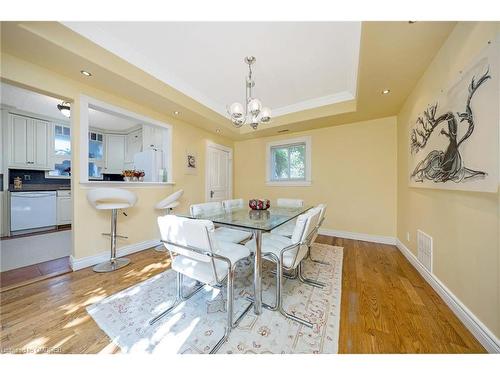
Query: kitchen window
pixel 62 153
pixel 289 162
pixel 96 155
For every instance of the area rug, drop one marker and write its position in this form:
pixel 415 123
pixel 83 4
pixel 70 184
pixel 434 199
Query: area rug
pixel 197 324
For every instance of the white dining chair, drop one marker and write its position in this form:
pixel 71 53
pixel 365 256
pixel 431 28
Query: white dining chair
pixel 221 233
pixel 196 253
pixel 321 219
pixel 233 204
pixel 287 254
pixel 287 228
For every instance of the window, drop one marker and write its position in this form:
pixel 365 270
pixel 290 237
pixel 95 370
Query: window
pixel 289 162
pixel 61 153
pixel 96 155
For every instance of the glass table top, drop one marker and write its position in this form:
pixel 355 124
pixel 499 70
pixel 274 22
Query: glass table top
pixel 245 218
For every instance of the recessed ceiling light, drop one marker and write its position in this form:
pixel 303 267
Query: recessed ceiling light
pixel 85 73
pixel 177 113
pixel 386 91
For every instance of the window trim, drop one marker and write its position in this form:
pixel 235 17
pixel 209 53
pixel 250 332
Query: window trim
pixel 284 143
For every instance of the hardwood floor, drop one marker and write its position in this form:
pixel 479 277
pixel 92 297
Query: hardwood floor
pixel 386 307
pixel 26 275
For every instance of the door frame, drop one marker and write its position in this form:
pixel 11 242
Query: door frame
pixel 211 144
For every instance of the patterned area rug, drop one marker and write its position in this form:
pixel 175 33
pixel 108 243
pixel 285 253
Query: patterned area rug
pixel 197 324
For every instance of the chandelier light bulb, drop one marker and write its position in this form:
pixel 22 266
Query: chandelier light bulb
pixel 254 106
pixel 265 115
pixel 236 110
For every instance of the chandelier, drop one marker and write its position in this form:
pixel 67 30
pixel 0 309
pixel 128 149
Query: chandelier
pixel 253 113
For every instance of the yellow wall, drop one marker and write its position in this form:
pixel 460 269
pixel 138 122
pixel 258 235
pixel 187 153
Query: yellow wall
pixel 140 225
pixel 464 225
pixel 353 171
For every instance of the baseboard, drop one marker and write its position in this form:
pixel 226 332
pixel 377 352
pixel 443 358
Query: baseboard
pixel 77 264
pixel 358 236
pixel 490 342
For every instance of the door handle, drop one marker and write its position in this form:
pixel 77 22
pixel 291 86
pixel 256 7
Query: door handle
pixel 211 193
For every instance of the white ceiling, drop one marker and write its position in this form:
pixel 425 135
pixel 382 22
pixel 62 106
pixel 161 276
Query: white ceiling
pixel 300 65
pixel 35 103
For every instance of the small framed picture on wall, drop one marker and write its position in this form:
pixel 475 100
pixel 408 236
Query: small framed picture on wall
pixel 191 162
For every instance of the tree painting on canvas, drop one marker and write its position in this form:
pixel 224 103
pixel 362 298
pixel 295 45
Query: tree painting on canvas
pixel 454 141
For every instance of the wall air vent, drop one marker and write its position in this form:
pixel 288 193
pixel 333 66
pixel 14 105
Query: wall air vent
pixel 424 250
pixel 283 131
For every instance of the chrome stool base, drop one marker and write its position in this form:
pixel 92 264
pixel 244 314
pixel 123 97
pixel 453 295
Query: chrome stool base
pixel 111 265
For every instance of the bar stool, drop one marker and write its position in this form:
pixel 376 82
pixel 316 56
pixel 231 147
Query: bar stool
pixel 168 204
pixel 111 199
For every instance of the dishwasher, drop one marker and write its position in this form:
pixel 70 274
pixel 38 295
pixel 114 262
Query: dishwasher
pixel 32 210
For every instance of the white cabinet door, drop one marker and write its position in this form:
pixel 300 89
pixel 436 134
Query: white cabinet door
pixel 152 137
pixel 134 145
pixel 29 143
pixel 41 142
pixel 64 210
pixel 17 130
pixel 115 153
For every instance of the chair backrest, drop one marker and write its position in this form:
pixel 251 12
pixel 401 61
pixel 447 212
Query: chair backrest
pixel 289 203
pixel 322 208
pixel 305 225
pixel 169 200
pixel 209 208
pixel 233 203
pixel 186 232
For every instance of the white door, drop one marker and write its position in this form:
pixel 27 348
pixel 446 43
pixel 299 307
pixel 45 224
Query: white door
pixel 219 173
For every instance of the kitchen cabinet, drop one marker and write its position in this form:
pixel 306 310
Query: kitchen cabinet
pixel 133 145
pixel 114 154
pixel 64 207
pixel 29 143
pixel 152 137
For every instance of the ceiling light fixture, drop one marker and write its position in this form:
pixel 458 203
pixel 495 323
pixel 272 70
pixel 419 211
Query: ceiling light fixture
pixel 254 113
pixel 85 73
pixel 65 109
pixel 177 113
pixel 386 91
pixel 217 131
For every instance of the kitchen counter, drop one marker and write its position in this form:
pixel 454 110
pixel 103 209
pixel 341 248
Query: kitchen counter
pixel 40 187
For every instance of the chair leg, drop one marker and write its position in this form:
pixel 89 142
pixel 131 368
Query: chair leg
pixel 291 276
pixel 229 307
pixel 316 284
pixel 178 300
pixel 316 260
pixel 279 285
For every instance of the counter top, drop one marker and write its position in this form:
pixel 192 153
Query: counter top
pixel 40 187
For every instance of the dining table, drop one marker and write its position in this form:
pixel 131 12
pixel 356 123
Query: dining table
pixel 257 222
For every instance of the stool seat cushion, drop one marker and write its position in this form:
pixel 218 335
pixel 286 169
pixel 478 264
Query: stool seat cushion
pixel 111 198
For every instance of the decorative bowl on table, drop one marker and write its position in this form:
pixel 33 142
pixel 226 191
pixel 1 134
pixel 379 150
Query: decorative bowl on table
pixel 259 204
